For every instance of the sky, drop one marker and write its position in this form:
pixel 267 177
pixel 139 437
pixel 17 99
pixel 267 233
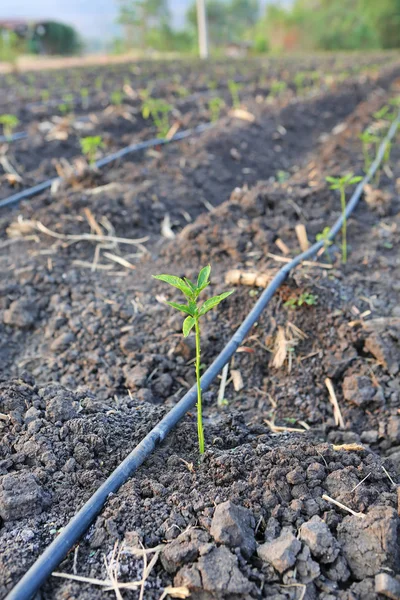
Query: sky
pixel 93 18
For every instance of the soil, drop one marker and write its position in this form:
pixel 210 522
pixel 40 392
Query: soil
pixel 91 359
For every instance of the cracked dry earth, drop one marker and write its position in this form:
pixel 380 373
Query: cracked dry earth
pixel 257 516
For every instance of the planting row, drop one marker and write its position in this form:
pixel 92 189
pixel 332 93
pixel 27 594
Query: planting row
pixel 70 137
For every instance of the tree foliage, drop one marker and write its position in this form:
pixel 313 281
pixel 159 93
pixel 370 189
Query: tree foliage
pixel 228 21
pixel 331 25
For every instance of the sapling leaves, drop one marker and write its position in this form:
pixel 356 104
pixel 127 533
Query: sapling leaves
pixel 176 282
pixel 188 325
pixel 203 277
pixel 182 307
pixel 194 312
pixel 341 183
pixel 214 301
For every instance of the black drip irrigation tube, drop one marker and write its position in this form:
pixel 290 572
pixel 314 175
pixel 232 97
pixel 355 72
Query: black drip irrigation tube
pixel 70 535
pixel 45 185
pixel 20 135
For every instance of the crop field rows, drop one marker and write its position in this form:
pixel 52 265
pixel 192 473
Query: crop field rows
pixel 296 494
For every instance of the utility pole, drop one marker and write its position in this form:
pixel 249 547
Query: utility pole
pixel 202 28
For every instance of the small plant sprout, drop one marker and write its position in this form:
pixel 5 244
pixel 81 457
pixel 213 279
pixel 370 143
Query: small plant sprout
pixel 367 138
pixel 45 95
pixel 277 87
pixel 90 146
pixel 215 105
pixel 9 122
pixel 324 236
pixel 158 110
pixel 304 298
pixel 116 97
pixel 234 89
pixel 194 312
pixel 341 183
pixel 85 97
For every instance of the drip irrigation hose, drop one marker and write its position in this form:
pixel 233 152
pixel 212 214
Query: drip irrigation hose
pixel 45 185
pixel 58 549
pixel 20 135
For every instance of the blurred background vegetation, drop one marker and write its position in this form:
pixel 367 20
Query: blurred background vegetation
pixel 235 28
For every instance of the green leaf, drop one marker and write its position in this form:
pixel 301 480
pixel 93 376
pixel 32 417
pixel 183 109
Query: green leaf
pixel 188 325
pixel 190 284
pixel 214 301
pixel 356 179
pixel 332 179
pixel 176 282
pixel 182 307
pixel 203 277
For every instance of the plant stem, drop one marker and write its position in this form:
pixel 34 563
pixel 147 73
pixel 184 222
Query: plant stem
pixel 199 405
pixel 344 226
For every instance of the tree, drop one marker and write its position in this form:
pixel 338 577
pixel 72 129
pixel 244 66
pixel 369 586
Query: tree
pixel 140 16
pixel 227 21
pixel 331 25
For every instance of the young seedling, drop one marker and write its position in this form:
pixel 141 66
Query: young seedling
pixel 367 138
pixel 158 110
pixel 182 91
pixel 341 184
pixel 215 105
pixel 304 298
pixel 299 80
pixel 282 176
pixel 194 312
pixel 45 95
pixel 67 105
pixel 90 146
pixel 116 97
pixel 277 87
pixel 324 236
pixel 98 84
pixel 9 122
pixel 234 89
pixel 85 97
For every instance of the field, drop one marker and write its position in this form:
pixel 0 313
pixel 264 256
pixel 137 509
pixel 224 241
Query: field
pixel 296 496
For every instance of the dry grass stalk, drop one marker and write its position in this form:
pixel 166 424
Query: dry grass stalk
pixel 111 583
pixel 388 476
pixel 282 246
pixel 359 483
pixel 89 265
pixel 238 277
pixel 343 506
pixel 23 227
pixel 280 348
pixel 302 236
pixel 9 169
pixel 299 585
pixel 283 429
pixel 173 130
pixel 306 263
pixel 94 226
pixel 237 380
pixel 285 342
pixel 348 447
pixel 221 391
pixel 337 415
pixel 166 230
pixel 118 259
pixel 242 114
pixel 175 592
